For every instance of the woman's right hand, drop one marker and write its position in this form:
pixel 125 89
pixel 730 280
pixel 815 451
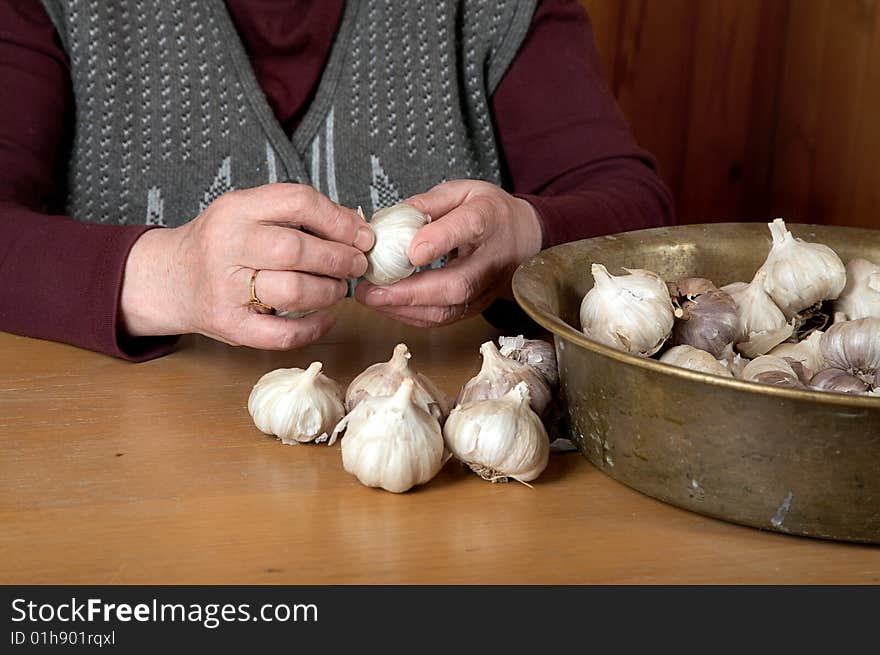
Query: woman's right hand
pixel 196 278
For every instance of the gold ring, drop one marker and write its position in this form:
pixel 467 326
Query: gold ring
pixel 256 302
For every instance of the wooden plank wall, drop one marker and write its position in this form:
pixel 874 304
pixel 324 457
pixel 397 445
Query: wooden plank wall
pixel 753 108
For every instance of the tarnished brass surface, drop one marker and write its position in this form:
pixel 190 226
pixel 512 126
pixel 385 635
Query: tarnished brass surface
pixel 801 462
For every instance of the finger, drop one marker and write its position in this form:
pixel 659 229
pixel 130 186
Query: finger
pixel 441 199
pixel 472 222
pixel 459 282
pixel 300 205
pixel 275 333
pixel 284 249
pixel 293 291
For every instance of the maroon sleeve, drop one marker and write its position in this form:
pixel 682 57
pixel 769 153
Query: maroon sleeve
pixel 565 144
pixel 61 278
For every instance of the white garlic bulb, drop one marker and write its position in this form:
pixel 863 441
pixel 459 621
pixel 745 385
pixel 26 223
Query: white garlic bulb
pixel 499 438
pixel 762 325
pixel 861 295
pixel 384 378
pixel 499 374
pixel 630 312
pixel 854 347
pixel 388 260
pixel 769 369
pixel 807 351
pixel 800 274
pixel 838 381
pixel 695 359
pixel 535 352
pixel 391 442
pixel 296 405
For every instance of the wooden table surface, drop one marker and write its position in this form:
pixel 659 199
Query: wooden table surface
pixel 153 473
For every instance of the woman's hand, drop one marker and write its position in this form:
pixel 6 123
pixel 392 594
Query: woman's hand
pixel 493 231
pixel 196 278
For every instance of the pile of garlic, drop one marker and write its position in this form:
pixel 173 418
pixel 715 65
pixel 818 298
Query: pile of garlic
pixel 395 424
pixel 768 331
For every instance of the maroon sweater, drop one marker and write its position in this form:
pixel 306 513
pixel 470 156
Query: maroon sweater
pixel 565 147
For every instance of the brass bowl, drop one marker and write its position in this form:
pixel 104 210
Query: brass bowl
pixel 800 462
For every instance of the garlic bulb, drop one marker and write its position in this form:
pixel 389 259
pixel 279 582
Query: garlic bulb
pixel 384 378
pixel 861 295
pixel 499 374
pixel 762 325
pixel 630 312
pixel 499 438
pixel 296 405
pixel 833 379
pixel 808 352
pixel 800 274
pixel 697 360
pixel 391 442
pixel 854 347
pixel 535 352
pixel 705 317
pixel 388 261
pixel 769 369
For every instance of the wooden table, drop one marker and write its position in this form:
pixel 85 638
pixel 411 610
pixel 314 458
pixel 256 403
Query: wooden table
pixel 153 473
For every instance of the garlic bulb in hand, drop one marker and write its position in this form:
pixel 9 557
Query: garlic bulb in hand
pixel 833 379
pixel 762 325
pixel 499 374
pixel 630 312
pixel 705 317
pixel 697 360
pixel 296 405
pixel 391 442
pixel 384 378
pixel 388 261
pixel 861 295
pixel 535 352
pixel 769 369
pixel 854 347
pixel 500 438
pixel 808 352
pixel 800 274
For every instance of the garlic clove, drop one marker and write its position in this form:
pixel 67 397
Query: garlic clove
pixel 384 378
pixel 296 405
pixel 734 361
pixel 861 295
pixel 395 227
pixel 534 352
pixel 499 374
pixel 761 343
pixel 705 317
pixel 756 310
pixel 854 347
pixel 808 352
pixel 838 381
pixel 499 438
pixel 631 312
pixel 391 442
pixel 799 274
pixel 697 360
pixel 772 370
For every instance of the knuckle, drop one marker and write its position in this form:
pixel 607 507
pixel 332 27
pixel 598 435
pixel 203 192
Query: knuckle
pixel 459 290
pixel 289 249
pixel 444 314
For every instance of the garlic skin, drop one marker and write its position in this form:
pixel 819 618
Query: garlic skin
pixel 296 405
pixel 799 274
pixel 833 379
pixel 697 360
pixel 861 295
pixel 762 325
pixel 808 352
pixel 388 261
pixel 499 374
pixel 854 347
pixel 391 442
pixel 384 378
pixel 535 352
pixel 633 312
pixel 769 369
pixel 705 317
pixel 499 438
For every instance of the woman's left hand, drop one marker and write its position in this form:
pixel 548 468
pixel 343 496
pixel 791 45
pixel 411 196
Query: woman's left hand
pixel 493 231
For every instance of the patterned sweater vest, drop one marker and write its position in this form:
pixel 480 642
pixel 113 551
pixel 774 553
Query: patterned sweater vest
pixel 169 114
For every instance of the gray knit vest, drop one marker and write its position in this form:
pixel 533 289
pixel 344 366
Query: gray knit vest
pixel 169 114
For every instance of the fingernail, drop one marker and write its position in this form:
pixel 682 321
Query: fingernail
pixel 377 296
pixel 423 254
pixel 364 239
pixel 358 265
